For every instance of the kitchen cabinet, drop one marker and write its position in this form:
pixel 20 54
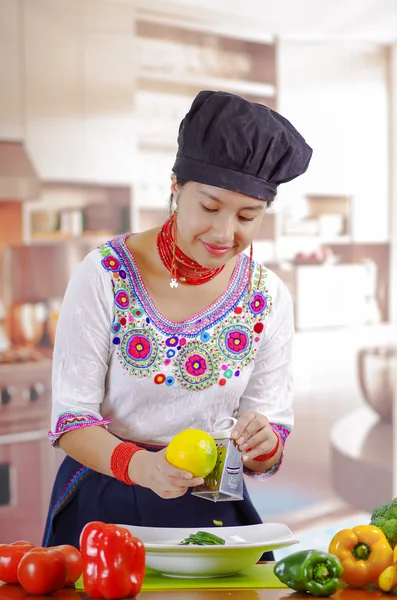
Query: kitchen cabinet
pixel 11 223
pixel 377 259
pixel 68 211
pixel 54 88
pixel 11 230
pixel 11 103
pixel 100 86
pixel 28 463
pixel 109 123
pixel 175 62
pixel 189 60
pixel 328 296
pixel 79 84
pixel 325 217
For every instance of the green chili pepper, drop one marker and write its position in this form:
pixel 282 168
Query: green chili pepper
pixel 202 538
pixel 310 571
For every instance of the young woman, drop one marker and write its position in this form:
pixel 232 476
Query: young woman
pixel 174 328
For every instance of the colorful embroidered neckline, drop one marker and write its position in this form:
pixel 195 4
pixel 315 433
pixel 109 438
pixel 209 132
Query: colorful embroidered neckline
pixel 196 323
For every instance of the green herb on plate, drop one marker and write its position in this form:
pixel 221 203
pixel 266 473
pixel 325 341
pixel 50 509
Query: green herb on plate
pixel 203 538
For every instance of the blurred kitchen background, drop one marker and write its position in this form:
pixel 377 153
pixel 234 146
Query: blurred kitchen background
pixel 91 96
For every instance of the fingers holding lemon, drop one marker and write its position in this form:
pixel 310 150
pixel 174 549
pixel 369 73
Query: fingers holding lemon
pixel 194 451
pixel 189 457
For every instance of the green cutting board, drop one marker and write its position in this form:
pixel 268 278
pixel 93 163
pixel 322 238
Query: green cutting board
pixel 258 576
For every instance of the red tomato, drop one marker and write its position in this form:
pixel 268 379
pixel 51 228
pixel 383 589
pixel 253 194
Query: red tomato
pixel 74 561
pixel 10 556
pixel 43 571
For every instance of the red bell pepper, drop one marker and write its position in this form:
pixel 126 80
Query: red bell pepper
pixel 114 561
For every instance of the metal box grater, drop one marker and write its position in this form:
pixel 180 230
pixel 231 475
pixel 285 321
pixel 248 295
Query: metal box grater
pixel 225 482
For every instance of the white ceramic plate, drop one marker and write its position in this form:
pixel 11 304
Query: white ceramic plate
pixel 243 548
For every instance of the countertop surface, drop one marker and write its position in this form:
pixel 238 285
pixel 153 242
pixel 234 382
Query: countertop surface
pixel 15 592
pixel 285 594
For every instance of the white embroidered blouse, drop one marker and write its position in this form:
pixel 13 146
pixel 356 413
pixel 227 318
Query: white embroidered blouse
pixel 119 363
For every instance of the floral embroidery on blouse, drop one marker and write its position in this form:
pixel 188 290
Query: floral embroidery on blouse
pixel 208 349
pixel 72 420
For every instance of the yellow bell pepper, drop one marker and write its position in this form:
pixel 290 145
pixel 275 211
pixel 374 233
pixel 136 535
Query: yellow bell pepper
pixel 364 553
pixel 388 578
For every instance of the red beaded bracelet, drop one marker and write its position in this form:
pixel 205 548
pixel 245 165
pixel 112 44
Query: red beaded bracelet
pixel 269 455
pixel 120 461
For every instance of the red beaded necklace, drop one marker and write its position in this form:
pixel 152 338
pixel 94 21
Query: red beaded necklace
pixel 182 268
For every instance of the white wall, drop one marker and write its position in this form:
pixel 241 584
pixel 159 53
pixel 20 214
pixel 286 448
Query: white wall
pixel 393 224
pixel 11 105
pixel 336 95
pixel 393 186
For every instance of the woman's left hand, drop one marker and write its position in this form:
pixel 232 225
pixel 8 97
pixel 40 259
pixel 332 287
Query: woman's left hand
pixel 252 432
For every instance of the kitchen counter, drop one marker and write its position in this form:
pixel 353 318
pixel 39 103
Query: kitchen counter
pixel 219 595
pixel 362 451
pixel 283 594
pixel 12 593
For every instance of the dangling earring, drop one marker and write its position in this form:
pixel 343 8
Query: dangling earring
pixel 173 282
pixel 250 268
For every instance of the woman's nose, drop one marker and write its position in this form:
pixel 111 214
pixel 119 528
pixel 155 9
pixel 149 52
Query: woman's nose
pixel 223 230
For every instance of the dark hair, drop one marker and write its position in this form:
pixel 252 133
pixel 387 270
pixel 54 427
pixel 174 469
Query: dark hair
pixel 181 182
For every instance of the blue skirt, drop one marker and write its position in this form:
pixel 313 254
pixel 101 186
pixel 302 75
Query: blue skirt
pixel 81 495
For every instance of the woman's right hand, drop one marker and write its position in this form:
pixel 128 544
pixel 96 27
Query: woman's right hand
pixel 152 470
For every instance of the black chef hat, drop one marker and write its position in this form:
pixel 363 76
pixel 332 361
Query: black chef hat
pixel 242 146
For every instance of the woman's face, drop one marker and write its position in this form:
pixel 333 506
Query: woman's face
pixel 215 224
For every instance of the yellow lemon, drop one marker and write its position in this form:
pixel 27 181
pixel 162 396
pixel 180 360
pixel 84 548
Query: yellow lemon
pixel 193 450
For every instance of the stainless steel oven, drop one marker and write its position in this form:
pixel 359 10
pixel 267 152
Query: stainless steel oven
pixel 28 464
